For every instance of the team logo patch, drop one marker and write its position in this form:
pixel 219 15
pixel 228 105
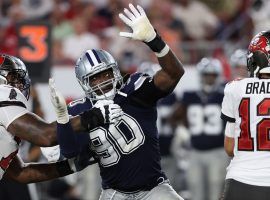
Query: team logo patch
pixel 260 44
pixel 13 94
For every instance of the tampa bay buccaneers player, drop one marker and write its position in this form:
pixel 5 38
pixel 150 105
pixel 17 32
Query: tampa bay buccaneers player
pixel 245 107
pixel 16 123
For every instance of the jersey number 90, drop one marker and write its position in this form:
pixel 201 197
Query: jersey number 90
pixel 122 138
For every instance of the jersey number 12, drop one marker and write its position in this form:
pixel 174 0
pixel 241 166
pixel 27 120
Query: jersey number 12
pixel 245 141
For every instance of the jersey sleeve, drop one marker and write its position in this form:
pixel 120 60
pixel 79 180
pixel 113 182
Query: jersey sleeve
pixel 227 111
pixel 13 104
pixel 145 91
pixel 71 143
pixel 230 129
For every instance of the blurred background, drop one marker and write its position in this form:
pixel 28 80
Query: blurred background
pixel 210 37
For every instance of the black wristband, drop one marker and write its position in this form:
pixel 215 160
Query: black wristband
pixel 157 44
pixel 63 168
pixel 91 119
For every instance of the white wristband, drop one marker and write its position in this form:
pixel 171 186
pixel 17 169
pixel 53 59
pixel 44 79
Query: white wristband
pixel 163 52
pixel 72 164
pixel 62 119
pixel 62 116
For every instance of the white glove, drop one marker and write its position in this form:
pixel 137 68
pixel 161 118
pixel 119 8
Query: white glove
pixel 137 20
pixel 51 153
pixel 111 112
pixel 59 103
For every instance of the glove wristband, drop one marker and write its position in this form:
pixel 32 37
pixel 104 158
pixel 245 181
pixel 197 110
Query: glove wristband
pixel 91 119
pixel 63 168
pixel 72 164
pixel 62 116
pixel 157 44
pixel 163 52
pixel 63 119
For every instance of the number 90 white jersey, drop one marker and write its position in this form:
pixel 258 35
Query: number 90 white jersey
pixel 247 104
pixel 12 105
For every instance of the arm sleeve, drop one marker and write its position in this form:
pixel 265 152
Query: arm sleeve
pixel 67 139
pixel 227 111
pixel 230 129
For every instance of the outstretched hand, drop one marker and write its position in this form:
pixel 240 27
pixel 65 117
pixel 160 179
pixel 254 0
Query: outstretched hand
pixel 59 103
pixel 137 20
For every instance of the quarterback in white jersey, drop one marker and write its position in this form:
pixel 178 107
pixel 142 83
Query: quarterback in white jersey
pixel 246 104
pixel 246 108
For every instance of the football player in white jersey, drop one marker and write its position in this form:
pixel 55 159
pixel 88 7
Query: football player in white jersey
pixel 245 107
pixel 16 123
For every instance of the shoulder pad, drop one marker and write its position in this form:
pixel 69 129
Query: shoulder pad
pixel 11 95
pixel 230 85
pixel 134 82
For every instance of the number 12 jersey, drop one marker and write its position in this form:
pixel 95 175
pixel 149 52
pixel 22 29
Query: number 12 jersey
pixel 247 104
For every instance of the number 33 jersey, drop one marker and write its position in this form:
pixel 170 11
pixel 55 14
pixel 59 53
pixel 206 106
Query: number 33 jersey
pixel 128 151
pixel 203 118
pixel 247 104
pixel 12 105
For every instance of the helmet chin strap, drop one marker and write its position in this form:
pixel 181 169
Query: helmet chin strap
pixel 256 71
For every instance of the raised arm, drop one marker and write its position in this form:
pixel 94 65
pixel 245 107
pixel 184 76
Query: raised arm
pixel 172 69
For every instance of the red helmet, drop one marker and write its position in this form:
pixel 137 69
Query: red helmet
pixel 258 57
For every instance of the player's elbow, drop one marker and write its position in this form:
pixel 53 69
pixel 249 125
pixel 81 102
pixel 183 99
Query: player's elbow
pixel 181 72
pixel 177 75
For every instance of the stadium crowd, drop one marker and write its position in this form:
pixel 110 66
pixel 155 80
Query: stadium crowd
pixel 192 28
